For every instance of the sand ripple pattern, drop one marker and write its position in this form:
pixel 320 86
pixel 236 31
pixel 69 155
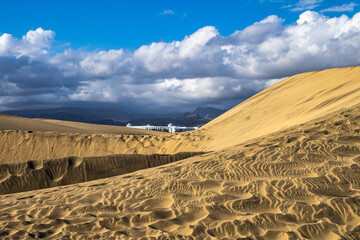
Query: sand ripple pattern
pixel 301 183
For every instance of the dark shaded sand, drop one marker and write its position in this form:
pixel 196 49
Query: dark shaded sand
pixel 31 175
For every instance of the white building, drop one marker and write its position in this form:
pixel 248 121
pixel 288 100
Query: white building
pixel 171 128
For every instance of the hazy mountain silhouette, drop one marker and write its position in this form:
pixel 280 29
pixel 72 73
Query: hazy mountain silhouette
pixel 200 116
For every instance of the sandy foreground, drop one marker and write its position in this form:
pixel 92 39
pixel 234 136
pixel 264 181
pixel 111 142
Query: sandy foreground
pixel 282 165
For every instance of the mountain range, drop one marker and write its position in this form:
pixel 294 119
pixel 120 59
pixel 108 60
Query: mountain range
pixel 198 117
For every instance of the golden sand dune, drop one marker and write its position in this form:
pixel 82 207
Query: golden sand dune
pixel 285 165
pixel 300 183
pixel 31 175
pixel 293 101
pixel 20 146
pixel 24 139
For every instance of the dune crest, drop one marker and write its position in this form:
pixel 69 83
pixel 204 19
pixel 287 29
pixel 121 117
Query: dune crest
pixel 21 146
pixel 292 101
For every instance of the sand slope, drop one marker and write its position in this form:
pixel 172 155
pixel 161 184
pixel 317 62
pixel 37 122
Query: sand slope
pixel 301 183
pixel 293 101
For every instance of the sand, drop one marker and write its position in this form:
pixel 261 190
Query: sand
pixel 24 139
pixel 290 102
pixel 31 175
pixel 21 146
pixel 301 183
pixel 291 172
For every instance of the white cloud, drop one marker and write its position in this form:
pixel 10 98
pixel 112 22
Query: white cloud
pixel 164 57
pixel 39 37
pixel 203 68
pixel 103 63
pixel 98 91
pixel 305 5
pixel 34 43
pixel 167 12
pixel 257 32
pixel 6 43
pixel 343 8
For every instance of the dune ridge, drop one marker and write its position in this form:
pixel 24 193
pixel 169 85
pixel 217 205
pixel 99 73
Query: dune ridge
pixel 21 146
pixel 292 101
pixel 31 175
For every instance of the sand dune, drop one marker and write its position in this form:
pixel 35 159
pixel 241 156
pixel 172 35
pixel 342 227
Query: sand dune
pixel 284 165
pixel 293 101
pixel 25 139
pixel 301 183
pixel 20 146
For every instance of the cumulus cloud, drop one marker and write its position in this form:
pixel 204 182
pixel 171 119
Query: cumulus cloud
pixel 34 43
pixel 343 8
pixel 204 68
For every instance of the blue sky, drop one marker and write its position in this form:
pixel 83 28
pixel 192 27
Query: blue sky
pixel 108 24
pixel 159 56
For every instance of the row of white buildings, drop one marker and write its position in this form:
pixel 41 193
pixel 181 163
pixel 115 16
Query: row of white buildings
pixel 171 128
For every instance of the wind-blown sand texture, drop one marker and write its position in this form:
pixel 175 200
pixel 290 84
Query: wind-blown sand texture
pixel 291 172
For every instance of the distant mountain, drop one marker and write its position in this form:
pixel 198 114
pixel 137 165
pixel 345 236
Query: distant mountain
pixel 189 119
pixel 73 114
pixel 198 117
